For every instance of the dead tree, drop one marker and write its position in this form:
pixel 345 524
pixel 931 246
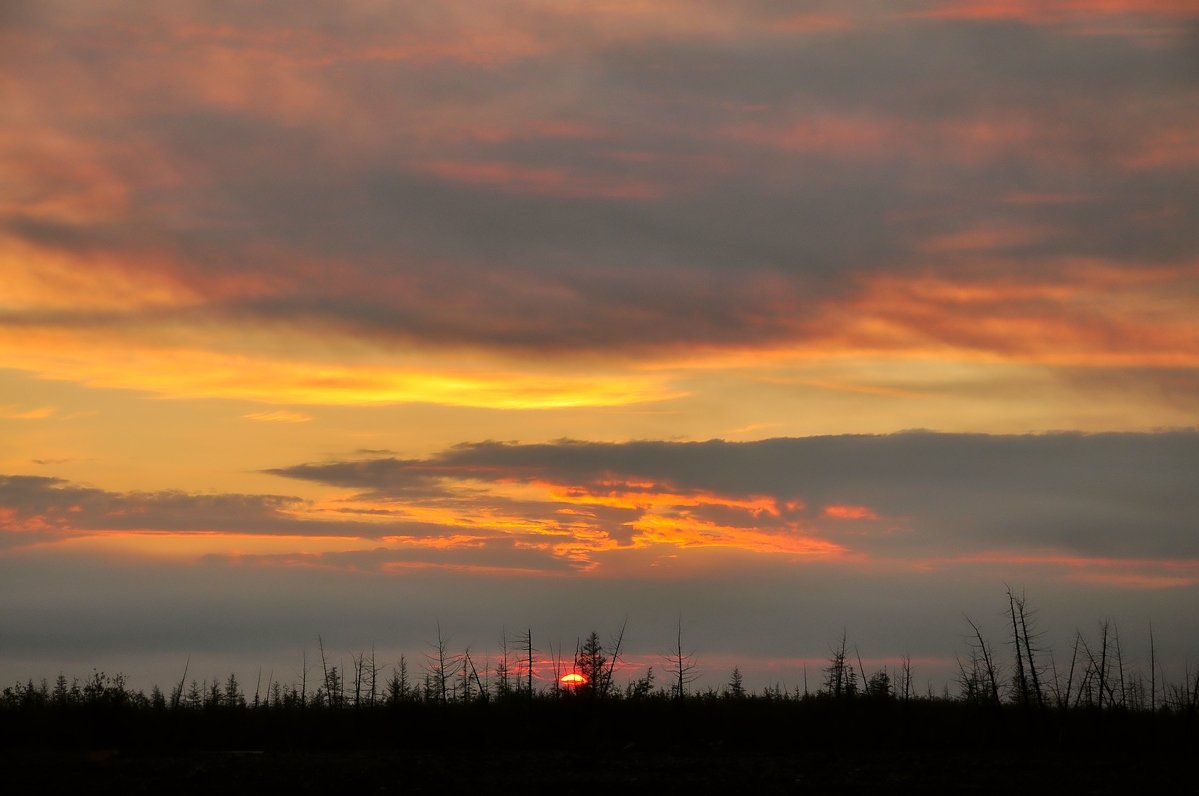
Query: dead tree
pixel 1096 681
pixel 441 668
pixel 1033 673
pixel 502 670
pixel 374 677
pixel 1103 670
pixel 1120 666
pixel 1021 678
pixel 1073 662
pixel 972 680
pixel 359 663
pixel 616 645
pixel 178 695
pixel 988 661
pixel 526 641
pixel 556 662
pixel 329 684
pixel 472 673
pixel 1152 673
pixel 905 677
pixel 304 678
pixel 682 665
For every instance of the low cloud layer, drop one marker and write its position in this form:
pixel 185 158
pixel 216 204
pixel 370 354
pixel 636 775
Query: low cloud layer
pixel 768 549
pixel 1100 495
pixel 916 497
pixel 36 509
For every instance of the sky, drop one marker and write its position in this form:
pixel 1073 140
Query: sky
pixel 765 320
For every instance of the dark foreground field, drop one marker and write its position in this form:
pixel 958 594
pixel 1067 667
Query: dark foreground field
pixel 662 770
pixel 664 747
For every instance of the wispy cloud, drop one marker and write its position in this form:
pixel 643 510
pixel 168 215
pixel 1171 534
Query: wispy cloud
pixel 548 181
pixel 279 416
pixel 13 412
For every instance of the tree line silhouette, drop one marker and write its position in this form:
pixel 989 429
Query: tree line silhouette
pixel 1097 676
pixel 1016 718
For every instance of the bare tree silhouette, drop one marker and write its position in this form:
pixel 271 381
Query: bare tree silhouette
pixel 682 665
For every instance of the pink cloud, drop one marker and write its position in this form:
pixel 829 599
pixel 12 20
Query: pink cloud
pixel 546 181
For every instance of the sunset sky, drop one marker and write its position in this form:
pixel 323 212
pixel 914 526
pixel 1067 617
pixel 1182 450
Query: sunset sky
pixel 781 318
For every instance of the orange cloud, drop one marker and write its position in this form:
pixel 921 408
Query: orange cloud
pixel 436 542
pixel 684 531
pixel 44 281
pixel 546 181
pixel 990 237
pixel 13 521
pixel 843 135
pixel 1038 12
pixel 554 517
pixel 1080 313
pixel 55 175
pixel 475 569
pixel 195 544
pixel 986 135
pixel 1139 573
pixel 1172 144
pixel 39 280
pixel 811 23
pixel 1019 198
pixel 649 497
pixel 467 520
pixel 837 512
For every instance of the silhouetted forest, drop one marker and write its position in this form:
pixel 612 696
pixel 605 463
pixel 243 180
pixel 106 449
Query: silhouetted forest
pixel 1020 714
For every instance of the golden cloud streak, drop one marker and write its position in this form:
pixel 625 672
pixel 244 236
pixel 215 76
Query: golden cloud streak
pixel 194 544
pixel 663 518
pixel 279 416
pixel 685 531
pixel 11 412
pixel 654 499
pixel 192 372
